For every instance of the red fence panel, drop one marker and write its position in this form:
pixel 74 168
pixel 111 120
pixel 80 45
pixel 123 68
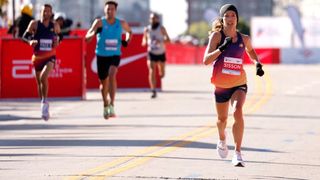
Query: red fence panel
pixel 188 54
pixel 133 70
pixel 17 74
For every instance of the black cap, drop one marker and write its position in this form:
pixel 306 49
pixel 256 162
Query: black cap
pixel 229 7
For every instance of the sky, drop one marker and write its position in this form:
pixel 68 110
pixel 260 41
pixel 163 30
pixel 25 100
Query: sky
pixel 174 14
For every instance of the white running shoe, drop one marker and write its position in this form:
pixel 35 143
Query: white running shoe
pixel 45 111
pixel 222 149
pixel 237 159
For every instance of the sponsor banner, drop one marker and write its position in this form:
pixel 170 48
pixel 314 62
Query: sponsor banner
pixel 4 33
pixel 266 32
pixel 17 73
pixel 300 56
pixel 266 56
pixel 181 54
pixel 133 70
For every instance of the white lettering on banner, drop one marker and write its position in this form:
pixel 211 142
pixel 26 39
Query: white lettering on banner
pixel 58 71
pixel 45 44
pixel 22 69
pixel 123 61
pixel 232 66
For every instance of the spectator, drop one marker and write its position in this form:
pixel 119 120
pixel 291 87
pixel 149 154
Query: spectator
pixel 21 23
pixel 64 22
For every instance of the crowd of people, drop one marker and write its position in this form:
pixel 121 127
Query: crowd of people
pixel 224 53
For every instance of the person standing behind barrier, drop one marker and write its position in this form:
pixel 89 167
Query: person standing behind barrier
pixel 225 50
pixel 22 22
pixel 44 36
pixel 155 36
pixel 108 51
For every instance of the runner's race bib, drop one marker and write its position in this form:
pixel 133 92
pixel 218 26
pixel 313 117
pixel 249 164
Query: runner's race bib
pixel 232 66
pixel 111 44
pixel 155 44
pixel 45 45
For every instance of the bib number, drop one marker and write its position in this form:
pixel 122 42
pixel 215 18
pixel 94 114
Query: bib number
pixel 232 66
pixel 45 44
pixel 111 44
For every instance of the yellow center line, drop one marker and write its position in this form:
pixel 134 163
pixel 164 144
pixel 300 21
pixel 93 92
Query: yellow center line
pixel 142 160
pixel 265 96
pixel 143 156
pixel 128 158
pixel 257 93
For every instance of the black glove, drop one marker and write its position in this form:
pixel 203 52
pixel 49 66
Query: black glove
pixel 225 43
pixel 99 30
pixel 259 70
pixel 124 43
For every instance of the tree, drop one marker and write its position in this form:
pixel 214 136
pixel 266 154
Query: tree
pixel 243 26
pixel 199 30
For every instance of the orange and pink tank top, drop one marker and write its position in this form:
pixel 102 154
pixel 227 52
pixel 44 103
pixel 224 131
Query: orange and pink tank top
pixel 228 69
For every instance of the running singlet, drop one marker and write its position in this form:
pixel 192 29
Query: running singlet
pixel 109 39
pixel 228 68
pixel 45 37
pixel 155 41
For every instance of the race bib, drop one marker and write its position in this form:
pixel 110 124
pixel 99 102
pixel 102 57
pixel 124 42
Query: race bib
pixel 45 45
pixel 232 66
pixel 111 44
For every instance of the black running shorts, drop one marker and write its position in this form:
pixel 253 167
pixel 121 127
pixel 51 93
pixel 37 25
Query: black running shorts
pixel 104 63
pixel 156 57
pixel 224 94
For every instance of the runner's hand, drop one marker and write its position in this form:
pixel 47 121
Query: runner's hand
pixel 259 70
pixel 225 44
pixel 124 43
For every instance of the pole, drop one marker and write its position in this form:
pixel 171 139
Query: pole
pixel 13 17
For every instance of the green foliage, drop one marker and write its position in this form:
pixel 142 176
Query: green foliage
pixel 243 26
pixel 199 30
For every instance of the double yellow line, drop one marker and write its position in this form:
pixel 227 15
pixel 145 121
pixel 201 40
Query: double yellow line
pixel 263 92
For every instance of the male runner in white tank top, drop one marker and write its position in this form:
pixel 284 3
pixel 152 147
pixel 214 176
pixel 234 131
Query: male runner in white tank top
pixel 155 36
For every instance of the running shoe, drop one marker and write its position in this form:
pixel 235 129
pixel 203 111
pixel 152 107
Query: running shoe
pixel 45 111
pixel 237 159
pixel 111 111
pixel 222 149
pixel 106 112
pixel 154 94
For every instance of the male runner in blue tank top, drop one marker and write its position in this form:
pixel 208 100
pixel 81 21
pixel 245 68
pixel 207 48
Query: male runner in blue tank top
pixel 44 36
pixel 108 50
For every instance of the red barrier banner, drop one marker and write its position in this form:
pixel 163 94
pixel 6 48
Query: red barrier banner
pixel 189 54
pixel 133 70
pixel 266 56
pixel 181 54
pixel 17 73
pixel 4 33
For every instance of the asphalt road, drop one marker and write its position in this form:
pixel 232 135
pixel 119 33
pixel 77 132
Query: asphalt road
pixel 171 137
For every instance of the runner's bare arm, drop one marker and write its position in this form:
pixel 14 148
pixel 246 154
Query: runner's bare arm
pixel 145 37
pixel 93 29
pixel 165 34
pixel 127 28
pixel 249 49
pixel 57 30
pixel 212 53
pixel 27 36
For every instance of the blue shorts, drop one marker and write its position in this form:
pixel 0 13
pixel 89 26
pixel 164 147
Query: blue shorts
pixel 224 94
